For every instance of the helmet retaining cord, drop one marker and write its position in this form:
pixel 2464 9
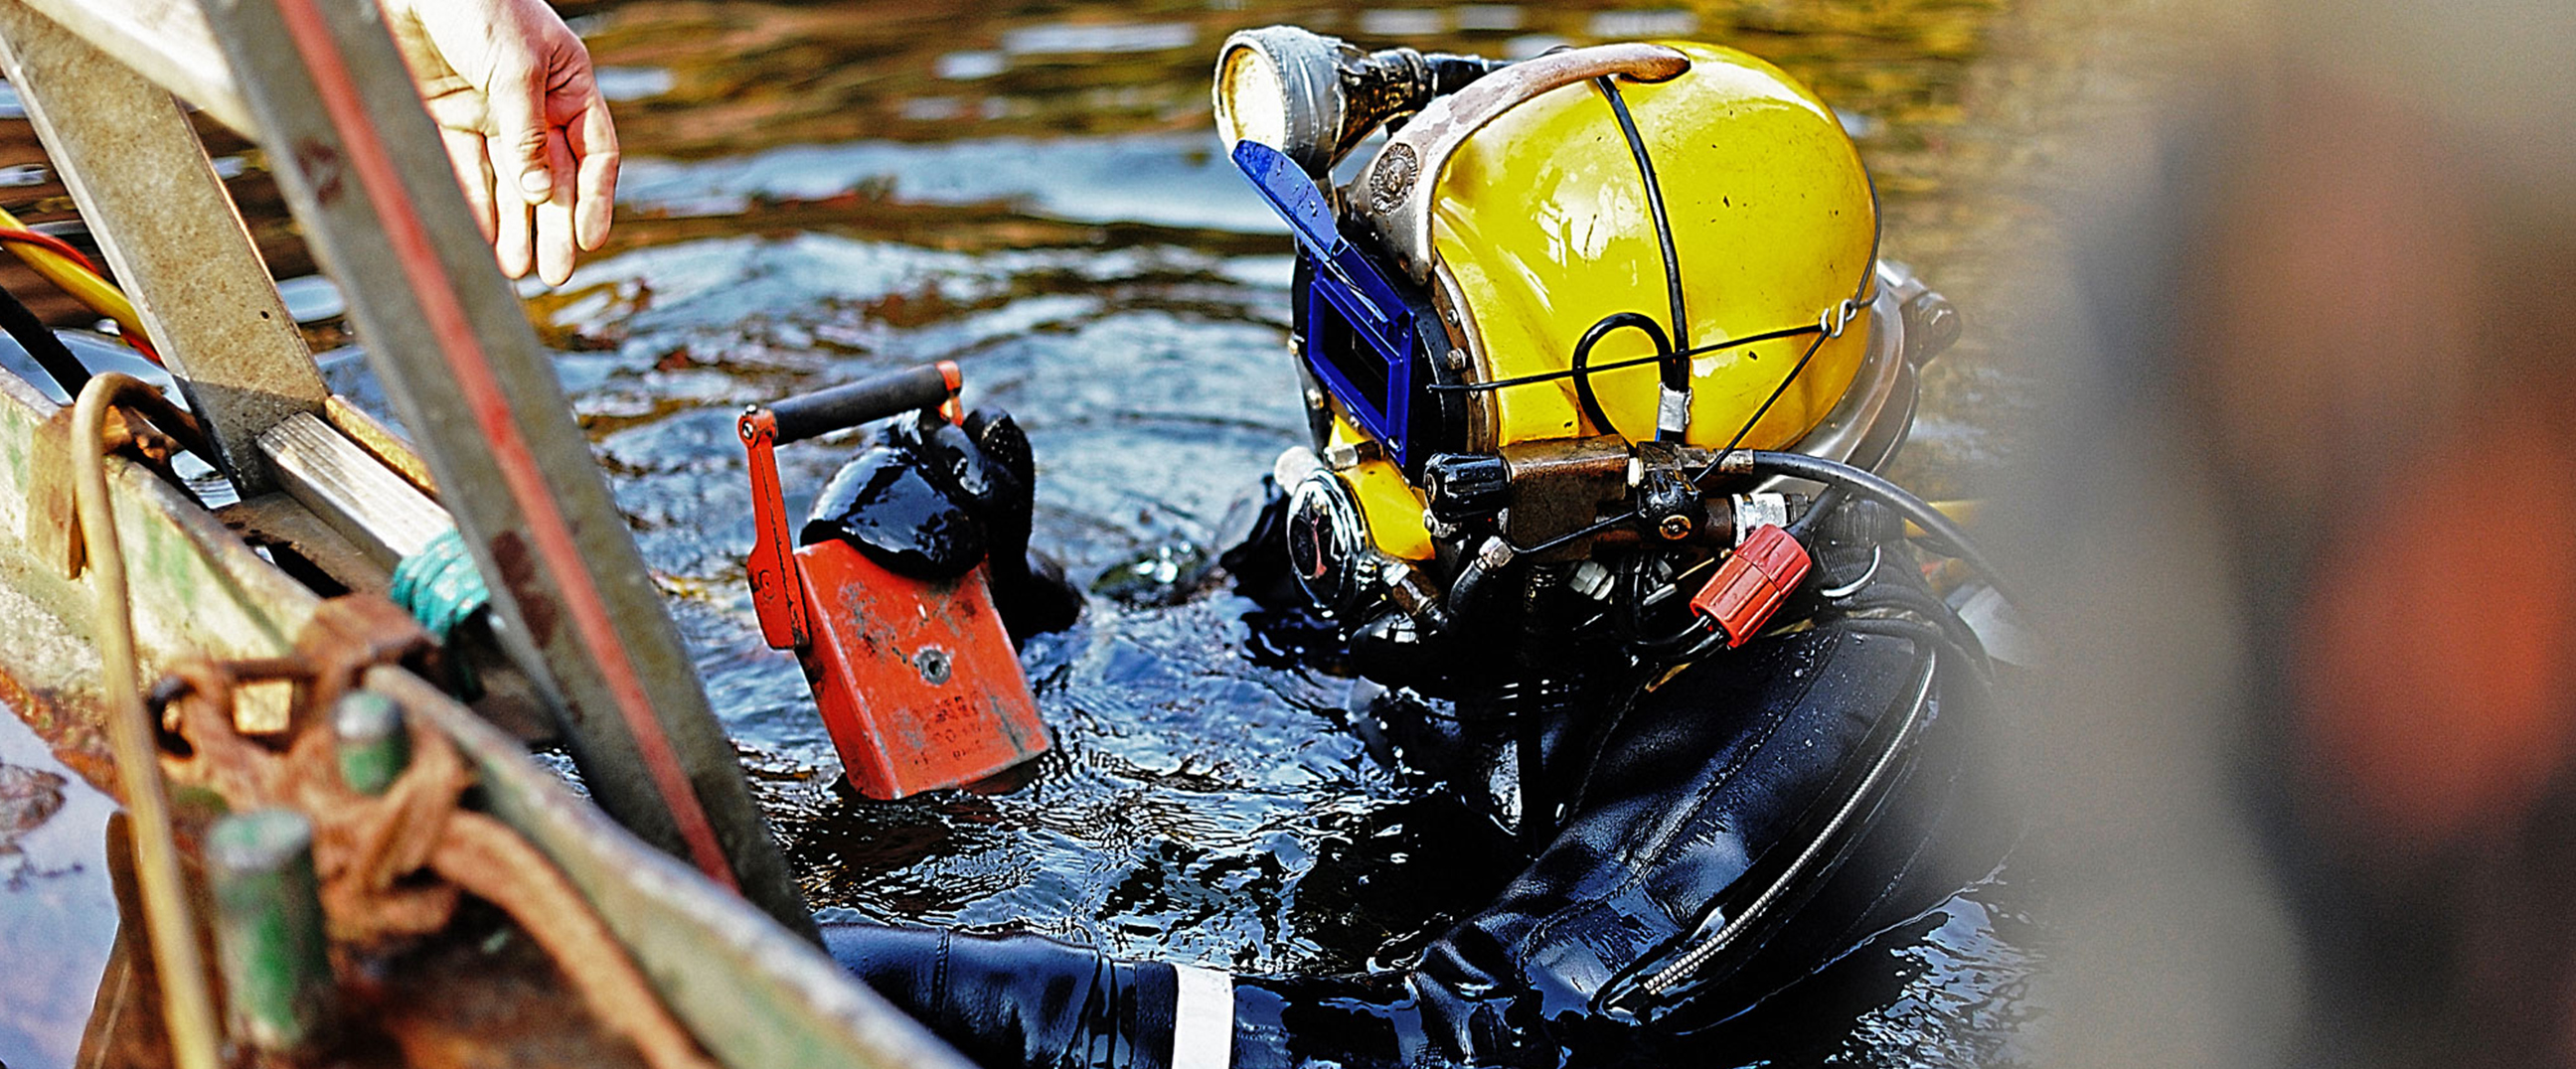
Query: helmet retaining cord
pixel 1586 371
pixel 1583 356
pixel 1674 355
pixel 1673 414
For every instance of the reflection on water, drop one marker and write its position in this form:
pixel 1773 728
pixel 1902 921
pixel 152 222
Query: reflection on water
pixel 830 189
pixel 57 910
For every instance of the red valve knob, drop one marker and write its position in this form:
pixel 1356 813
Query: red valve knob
pixel 1750 586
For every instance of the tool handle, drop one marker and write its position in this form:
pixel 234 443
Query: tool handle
pixel 895 392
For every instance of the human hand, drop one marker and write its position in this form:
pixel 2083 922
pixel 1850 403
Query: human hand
pixel 511 88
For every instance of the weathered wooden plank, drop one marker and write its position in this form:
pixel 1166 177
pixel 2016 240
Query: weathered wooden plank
pixel 171 233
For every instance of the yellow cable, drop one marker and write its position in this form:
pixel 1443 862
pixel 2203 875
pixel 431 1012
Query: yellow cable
pixel 85 287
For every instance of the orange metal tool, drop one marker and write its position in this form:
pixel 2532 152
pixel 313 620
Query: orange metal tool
pixel 916 680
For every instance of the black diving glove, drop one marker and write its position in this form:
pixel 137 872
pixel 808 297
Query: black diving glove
pixel 930 499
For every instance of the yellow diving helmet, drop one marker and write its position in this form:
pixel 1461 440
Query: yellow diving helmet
pixel 1563 288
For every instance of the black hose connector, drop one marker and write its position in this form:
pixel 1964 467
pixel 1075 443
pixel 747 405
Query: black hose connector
pixel 1466 486
pixel 1870 484
pixel 1469 588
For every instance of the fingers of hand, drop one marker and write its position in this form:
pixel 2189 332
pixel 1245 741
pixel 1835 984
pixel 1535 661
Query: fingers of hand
pixel 529 120
pixel 513 228
pixel 594 140
pixel 473 174
pixel 517 99
pixel 554 218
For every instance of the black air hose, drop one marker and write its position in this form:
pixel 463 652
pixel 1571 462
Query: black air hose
pixel 1942 529
pixel 40 343
pixel 1826 502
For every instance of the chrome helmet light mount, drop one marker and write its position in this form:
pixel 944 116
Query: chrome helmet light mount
pixel 1314 97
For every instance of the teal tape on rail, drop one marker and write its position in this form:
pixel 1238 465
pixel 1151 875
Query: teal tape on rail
pixel 439 585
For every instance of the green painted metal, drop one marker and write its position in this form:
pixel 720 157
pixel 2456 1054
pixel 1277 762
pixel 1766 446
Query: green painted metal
pixel 372 745
pixel 197 589
pixel 268 927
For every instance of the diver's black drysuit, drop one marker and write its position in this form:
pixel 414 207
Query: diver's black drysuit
pixel 1810 773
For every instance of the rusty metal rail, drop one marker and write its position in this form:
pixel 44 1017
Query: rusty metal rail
pixel 750 991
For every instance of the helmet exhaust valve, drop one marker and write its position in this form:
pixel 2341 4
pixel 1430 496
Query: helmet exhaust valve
pixel 1750 586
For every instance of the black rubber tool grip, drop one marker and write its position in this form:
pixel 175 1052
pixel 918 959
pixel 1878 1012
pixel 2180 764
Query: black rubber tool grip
pixel 877 397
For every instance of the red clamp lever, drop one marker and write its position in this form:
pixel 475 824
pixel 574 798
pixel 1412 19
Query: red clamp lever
pixel 775 593
pixel 915 679
pixel 1750 586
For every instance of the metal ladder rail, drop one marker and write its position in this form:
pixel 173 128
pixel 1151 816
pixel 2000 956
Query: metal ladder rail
pixel 446 336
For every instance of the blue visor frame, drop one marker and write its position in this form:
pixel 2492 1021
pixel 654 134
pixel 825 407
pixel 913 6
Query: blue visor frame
pixel 1346 295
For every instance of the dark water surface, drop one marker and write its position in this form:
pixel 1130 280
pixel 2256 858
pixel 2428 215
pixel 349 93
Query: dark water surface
pixel 820 191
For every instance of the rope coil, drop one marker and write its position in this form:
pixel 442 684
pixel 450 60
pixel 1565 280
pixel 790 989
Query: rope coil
pixel 368 851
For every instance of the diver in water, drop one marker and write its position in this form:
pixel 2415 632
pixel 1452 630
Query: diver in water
pixel 1600 357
